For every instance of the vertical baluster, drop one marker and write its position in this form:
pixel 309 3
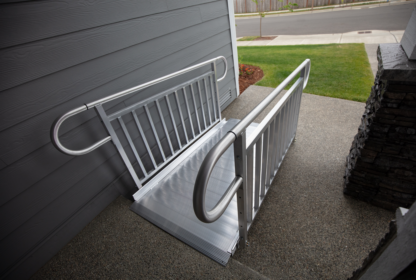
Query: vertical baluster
pixel 276 148
pixel 196 110
pixel 180 114
pixel 173 121
pixel 213 96
pixel 287 123
pixel 257 176
pixel 202 104
pixel 133 148
pixel 206 95
pixel 154 132
pixel 295 110
pixel 164 126
pixel 149 151
pixel 280 145
pixel 284 135
pixel 189 113
pixel 292 114
pixel 217 94
pixel 249 185
pixel 269 163
pixel 240 164
pixel 300 90
pixel 264 162
pixel 273 149
pixel 289 118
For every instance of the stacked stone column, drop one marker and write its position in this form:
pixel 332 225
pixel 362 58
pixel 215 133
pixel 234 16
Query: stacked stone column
pixel 381 165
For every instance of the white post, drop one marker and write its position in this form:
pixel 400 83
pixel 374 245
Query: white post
pixel 233 42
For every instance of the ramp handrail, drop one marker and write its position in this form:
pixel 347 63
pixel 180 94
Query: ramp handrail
pixel 236 136
pixel 57 124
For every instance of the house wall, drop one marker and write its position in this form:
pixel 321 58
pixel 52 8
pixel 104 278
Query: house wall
pixel 58 55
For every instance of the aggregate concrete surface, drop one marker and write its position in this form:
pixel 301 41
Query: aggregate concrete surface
pixel 306 228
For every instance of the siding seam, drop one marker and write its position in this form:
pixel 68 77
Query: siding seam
pixel 107 24
pixel 85 61
pixel 86 29
pixel 40 112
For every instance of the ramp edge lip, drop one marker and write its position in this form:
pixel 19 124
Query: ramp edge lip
pixel 209 250
pixel 233 245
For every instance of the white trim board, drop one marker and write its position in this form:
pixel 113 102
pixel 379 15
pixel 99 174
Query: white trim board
pixel 233 42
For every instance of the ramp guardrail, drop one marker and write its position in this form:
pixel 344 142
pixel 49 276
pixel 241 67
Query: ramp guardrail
pixel 258 158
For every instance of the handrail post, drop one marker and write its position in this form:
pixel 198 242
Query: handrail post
pixel 217 92
pixel 304 73
pixel 240 164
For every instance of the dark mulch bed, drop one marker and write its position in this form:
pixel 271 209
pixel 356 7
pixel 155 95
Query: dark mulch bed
pixel 265 38
pixel 249 75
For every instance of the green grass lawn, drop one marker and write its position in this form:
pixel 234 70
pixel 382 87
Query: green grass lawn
pixel 338 70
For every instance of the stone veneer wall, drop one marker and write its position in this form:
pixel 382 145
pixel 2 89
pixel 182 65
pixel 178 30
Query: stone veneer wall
pixel 381 165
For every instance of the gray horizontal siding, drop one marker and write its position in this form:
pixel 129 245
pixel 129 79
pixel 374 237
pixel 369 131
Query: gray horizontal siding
pixel 63 233
pixel 99 80
pixel 99 70
pixel 60 56
pixel 46 19
pixel 40 58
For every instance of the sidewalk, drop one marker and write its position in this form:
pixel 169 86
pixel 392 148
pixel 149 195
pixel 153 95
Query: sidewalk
pixel 329 8
pixel 371 50
pixel 375 37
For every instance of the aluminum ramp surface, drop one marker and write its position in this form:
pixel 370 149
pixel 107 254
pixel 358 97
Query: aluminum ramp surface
pixel 168 203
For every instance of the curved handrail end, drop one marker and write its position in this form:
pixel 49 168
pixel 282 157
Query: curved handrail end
pixel 225 68
pixel 201 182
pixel 55 134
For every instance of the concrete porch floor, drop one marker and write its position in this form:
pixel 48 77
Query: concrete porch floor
pixel 306 228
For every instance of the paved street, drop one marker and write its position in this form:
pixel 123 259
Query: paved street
pixel 393 17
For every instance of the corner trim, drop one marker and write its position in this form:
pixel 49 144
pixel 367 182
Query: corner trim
pixel 233 42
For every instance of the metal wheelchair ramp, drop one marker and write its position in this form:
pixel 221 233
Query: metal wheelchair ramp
pixel 168 201
pixel 185 160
